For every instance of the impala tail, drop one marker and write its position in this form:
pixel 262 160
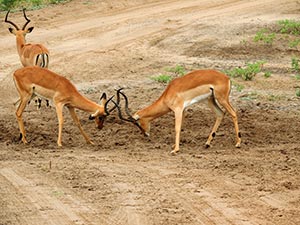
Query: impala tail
pixel 42 60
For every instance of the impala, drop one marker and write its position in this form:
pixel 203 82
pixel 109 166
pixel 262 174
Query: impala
pixel 30 54
pixel 199 85
pixel 41 82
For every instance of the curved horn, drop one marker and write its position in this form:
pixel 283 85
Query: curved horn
pixel 120 112
pixel 126 103
pixel 130 119
pixel 106 104
pixel 27 20
pixel 115 105
pixel 10 22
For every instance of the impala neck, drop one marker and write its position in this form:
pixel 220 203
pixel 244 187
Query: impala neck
pixel 153 111
pixel 87 105
pixel 20 43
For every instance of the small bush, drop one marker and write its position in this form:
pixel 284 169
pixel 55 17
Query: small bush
pixel 289 26
pixel 298 92
pixel 297 76
pixel 239 87
pixel 7 4
pixel 163 78
pixel 247 73
pixel 15 4
pixel 267 74
pixel 172 72
pixel 295 65
pixel 178 70
pixel 263 36
pixel 294 43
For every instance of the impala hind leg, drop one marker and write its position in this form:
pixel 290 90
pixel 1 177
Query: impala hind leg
pixel 24 101
pixel 77 122
pixel 59 112
pixel 226 104
pixel 219 114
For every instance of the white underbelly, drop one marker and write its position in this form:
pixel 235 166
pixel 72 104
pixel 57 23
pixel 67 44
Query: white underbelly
pixel 43 92
pixel 197 99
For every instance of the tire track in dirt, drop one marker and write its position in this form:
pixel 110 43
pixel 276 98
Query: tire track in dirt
pixel 13 203
pixel 206 207
pixel 51 210
pixel 128 213
pixel 130 206
pixel 131 25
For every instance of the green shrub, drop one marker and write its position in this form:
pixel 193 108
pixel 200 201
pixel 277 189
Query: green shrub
pixel 289 26
pixel 172 72
pixel 295 65
pixel 297 76
pixel 247 73
pixel 163 78
pixel 239 87
pixel 298 92
pixel 178 70
pixel 262 35
pixel 7 4
pixel 294 43
pixel 15 4
pixel 267 74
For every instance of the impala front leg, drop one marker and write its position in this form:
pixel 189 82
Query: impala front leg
pixel 77 122
pixel 178 123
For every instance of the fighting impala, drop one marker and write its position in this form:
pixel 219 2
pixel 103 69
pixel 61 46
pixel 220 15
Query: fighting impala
pixel 31 81
pixel 30 54
pixel 199 85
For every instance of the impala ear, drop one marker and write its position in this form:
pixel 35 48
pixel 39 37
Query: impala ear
pixel 136 117
pixel 93 116
pixel 29 30
pixel 103 99
pixel 12 30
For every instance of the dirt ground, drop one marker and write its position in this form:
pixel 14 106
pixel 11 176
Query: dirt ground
pixel 126 178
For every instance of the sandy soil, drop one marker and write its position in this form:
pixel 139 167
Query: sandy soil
pixel 127 178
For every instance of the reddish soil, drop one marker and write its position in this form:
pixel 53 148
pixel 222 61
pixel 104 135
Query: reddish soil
pixel 126 178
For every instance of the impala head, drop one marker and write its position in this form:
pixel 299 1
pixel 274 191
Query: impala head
pixel 100 115
pixel 16 30
pixel 142 123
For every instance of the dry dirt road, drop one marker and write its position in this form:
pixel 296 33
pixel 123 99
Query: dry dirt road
pixel 127 178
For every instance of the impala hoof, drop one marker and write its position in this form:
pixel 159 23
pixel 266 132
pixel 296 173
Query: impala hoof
pixel 91 143
pixel 207 145
pixel 23 139
pixel 20 137
pixel 238 145
pixel 174 152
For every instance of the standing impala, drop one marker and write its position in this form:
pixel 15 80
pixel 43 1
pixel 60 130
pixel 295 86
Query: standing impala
pixel 31 81
pixel 30 54
pixel 199 85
